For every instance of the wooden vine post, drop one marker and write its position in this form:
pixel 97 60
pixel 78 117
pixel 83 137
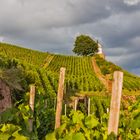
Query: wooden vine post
pixel 65 109
pixel 60 97
pixel 75 104
pixel 115 102
pixel 31 104
pixel 88 106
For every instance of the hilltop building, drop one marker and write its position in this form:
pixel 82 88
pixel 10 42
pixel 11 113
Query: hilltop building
pixel 100 50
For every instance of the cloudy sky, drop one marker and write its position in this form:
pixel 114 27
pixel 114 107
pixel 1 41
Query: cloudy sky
pixel 52 25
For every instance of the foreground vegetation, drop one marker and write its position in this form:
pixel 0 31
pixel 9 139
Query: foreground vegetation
pixel 20 68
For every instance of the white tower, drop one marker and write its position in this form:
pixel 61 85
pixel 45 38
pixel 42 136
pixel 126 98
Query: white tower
pixel 100 50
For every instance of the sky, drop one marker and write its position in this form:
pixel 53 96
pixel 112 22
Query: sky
pixel 52 26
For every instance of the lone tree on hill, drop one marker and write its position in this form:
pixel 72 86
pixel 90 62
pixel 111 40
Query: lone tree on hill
pixel 85 45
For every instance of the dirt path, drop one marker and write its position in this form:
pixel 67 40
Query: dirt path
pixel 48 60
pixel 101 77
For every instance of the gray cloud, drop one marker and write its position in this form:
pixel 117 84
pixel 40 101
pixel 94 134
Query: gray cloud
pixel 131 2
pixel 53 25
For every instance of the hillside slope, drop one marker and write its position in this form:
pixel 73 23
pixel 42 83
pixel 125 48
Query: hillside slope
pixel 20 67
pixel 131 82
pixel 80 75
pixel 25 55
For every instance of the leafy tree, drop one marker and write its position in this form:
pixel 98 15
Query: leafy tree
pixel 85 45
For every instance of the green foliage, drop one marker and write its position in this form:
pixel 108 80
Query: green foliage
pixel 43 120
pixel 44 116
pixel 91 127
pixel 129 125
pixel 79 73
pixel 10 131
pixel 91 122
pixel 105 66
pixel 22 67
pixel 130 83
pixel 79 126
pixel 13 78
pixel 99 106
pixel 18 117
pixel 85 45
pixel 112 136
pixel 50 136
pixel 24 55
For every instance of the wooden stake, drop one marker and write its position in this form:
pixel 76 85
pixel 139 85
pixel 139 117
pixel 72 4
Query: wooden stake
pixel 107 110
pixel 60 97
pixel 75 104
pixel 65 109
pixel 31 104
pixel 88 106
pixel 115 102
pixel 32 97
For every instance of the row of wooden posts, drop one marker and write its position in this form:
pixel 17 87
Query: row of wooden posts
pixel 114 106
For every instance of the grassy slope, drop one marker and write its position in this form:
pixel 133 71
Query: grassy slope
pixel 80 74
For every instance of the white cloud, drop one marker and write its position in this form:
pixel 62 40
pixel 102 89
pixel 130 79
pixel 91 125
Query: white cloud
pixel 131 2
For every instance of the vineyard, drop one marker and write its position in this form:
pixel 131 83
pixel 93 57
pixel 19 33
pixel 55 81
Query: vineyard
pixel 25 55
pixel 20 67
pixel 79 72
pixel 131 82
